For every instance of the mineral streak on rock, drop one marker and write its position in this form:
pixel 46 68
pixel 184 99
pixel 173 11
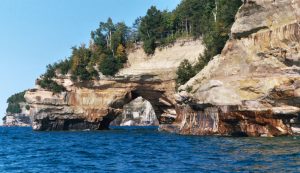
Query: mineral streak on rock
pixel 96 104
pixel 252 88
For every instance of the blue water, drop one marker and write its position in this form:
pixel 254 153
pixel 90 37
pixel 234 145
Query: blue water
pixel 143 150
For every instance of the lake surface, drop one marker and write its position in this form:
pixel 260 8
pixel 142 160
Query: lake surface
pixel 143 150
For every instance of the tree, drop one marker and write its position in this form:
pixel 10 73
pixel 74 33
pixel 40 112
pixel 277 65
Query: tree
pixel 120 36
pixel 14 103
pixel 149 46
pixel 151 24
pixel 109 65
pixel 151 29
pixel 51 85
pixel 134 32
pixel 81 58
pixel 184 72
pixel 121 53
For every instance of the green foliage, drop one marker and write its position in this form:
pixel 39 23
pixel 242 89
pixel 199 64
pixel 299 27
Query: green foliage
pixel 134 35
pixel 121 54
pixel 149 46
pixel 184 72
pixel 17 98
pixel 14 103
pixel 189 89
pixel 50 72
pixel 208 19
pixel 14 109
pixel 217 31
pixel 64 66
pixel 51 85
pixel 27 107
pixel 110 65
pixel 202 62
pixel 153 27
pixel 109 36
pixel 80 59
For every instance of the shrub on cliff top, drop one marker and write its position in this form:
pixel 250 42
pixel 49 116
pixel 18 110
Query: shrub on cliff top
pixel 14 103
pixel 184 72
pixel 149 46
pixel 110 65
pixel 51 85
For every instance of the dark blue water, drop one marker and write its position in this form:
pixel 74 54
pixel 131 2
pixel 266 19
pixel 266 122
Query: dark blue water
pixel 143 150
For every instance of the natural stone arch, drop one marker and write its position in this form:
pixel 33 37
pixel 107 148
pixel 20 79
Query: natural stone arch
pixel 94 106
pixel 160 94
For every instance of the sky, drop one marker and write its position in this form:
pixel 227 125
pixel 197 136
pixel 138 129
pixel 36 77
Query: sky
pixel 34 33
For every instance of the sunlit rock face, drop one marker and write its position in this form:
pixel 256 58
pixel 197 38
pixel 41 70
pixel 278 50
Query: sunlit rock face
pixel 139 112
pixel 94 105
pixel 21 119
pixel 252 88
pixel 16 120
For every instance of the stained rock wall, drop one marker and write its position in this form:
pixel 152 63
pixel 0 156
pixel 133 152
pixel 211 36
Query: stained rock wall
pixel 252 88
pixel 93 105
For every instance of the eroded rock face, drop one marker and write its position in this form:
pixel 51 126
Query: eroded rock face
pixel 95 104
pixel 138 112
pixel 18 120
pixel 95 107
pixel 252 88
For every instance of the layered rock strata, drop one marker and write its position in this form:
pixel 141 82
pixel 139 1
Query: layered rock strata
pixel 93 105
pixel 253 87
pixel 21 119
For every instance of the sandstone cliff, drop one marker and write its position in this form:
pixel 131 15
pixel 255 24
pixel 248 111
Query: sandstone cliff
pixel 165 61
pixel 95 104
pixel 253 87
pixel 20 120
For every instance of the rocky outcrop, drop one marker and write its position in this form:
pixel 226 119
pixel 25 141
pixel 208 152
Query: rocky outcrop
pixel 252 88
pixel 165 61
pixel 93 105
pixel 18 120
pixel 138 112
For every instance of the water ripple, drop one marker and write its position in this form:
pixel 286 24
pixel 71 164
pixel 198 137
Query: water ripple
pixel 143 150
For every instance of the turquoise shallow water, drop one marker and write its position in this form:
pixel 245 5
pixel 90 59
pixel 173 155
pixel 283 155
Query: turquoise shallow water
pixel 143 150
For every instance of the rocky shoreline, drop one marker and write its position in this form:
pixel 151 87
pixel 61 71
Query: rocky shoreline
pixel 251 89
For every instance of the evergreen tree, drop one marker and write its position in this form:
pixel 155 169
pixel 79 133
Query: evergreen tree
pixel 109 65
pixel 121 53
pixel 14 103
pixel 184 72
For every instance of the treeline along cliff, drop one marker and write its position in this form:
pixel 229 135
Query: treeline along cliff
pixel 209 67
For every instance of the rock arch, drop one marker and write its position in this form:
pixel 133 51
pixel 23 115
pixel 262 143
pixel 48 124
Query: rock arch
pixel 95 105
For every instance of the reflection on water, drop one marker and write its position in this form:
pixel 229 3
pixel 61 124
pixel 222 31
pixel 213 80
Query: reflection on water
pixel 143 150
